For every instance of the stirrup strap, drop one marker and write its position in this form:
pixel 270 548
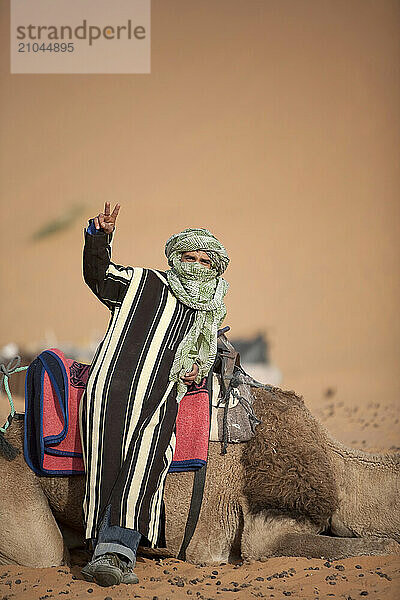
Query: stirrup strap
pixel 194 510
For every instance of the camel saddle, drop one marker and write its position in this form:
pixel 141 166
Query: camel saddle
pixel 232 415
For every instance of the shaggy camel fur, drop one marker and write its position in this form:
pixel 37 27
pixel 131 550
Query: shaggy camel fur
pixel 271 496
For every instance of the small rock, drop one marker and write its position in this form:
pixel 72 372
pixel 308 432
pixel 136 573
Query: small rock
pixel 214 572
pixel 364 593
pixel 90 591
pixel 339 567
pixel 382 575
pixel 327 564
pixel 259 578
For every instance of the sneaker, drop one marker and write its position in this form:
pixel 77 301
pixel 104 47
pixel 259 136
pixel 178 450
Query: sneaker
pixel 109 569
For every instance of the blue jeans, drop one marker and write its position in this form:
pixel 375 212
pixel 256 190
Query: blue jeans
pixel 113 538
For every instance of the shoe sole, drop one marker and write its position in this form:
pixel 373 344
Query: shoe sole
pixel 130 578
pixel 107 576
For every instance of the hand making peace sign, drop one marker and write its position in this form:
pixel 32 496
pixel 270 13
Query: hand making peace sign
pixel 106 221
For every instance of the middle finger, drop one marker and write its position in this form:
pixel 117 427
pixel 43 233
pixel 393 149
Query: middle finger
pixel 115 212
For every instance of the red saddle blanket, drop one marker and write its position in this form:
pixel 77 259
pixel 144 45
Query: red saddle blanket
pixel 52 446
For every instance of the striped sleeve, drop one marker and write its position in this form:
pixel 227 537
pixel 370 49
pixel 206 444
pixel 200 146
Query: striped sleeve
pixel 107 280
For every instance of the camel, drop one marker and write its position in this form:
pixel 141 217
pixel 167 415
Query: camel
pixel 292 490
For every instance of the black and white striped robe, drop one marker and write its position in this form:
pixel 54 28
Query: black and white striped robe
pixel 129 408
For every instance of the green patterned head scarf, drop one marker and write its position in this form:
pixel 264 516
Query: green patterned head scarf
pixel 200 288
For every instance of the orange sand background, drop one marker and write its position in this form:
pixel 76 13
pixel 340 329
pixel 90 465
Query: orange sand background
pixel 276 125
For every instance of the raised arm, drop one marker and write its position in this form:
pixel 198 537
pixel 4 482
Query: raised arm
pixel 107 280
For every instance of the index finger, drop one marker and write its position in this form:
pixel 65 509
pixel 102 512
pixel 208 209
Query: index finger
pixel 116 211
pixel 107 209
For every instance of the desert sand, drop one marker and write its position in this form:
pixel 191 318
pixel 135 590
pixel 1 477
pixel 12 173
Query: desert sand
pixel 277 578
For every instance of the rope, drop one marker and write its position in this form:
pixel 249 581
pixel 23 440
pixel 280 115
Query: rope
pixel 6 371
